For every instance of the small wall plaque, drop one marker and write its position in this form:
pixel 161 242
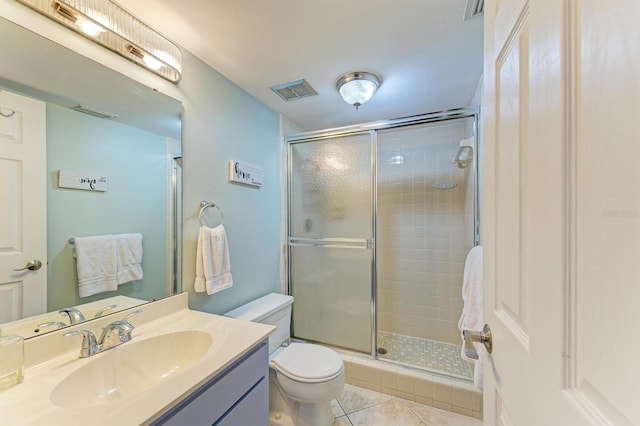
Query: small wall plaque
pixel 245 173
pixel 75 180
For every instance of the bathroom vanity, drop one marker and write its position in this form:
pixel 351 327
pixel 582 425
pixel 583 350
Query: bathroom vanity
pixel 181 367
pixel 237 396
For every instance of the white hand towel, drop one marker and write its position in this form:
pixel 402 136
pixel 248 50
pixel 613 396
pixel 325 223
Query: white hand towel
pixel 213 269
pixel 129 249
pixel 96 264
pixel 471 318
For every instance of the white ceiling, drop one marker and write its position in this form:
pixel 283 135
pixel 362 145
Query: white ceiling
pixel 428 58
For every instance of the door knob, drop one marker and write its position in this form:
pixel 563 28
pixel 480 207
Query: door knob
pixel 32 265
pixel 483 337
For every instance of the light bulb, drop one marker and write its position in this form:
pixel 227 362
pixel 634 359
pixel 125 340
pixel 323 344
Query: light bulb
pixel 357 88
pixel 88 27
pixel 152 62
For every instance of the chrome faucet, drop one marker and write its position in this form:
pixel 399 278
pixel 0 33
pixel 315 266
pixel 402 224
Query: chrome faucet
pixel 114 334
pixel 75 316
pixel 89 345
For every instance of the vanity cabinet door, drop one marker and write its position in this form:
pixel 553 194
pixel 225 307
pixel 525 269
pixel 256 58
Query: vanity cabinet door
pixel 240 391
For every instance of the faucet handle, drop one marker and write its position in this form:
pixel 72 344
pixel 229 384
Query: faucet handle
pixel 126 319
pixel 103 310
pixel 60 324
pixel 117 332
pixel 89 344
pixel 126 327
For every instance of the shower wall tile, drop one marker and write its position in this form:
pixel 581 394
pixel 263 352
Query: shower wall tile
pixel 423 233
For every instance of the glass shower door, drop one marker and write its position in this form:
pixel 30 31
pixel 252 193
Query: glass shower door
pixel 331 240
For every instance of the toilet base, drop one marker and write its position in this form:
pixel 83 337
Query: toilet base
pixel 283 411
pixel 318 414
pixel 277 418
pixel 305 414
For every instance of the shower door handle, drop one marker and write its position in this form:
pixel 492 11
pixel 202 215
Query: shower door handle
pixel 360 243
pixel 483 337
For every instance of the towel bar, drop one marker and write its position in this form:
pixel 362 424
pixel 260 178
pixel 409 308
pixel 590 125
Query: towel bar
pixel 203 206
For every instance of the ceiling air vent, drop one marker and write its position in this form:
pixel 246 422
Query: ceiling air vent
pixel 92 111
pixel 294 90
pixel 474 8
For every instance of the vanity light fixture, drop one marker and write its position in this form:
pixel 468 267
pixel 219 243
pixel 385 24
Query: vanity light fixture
pixel 358 87
pixel 111 26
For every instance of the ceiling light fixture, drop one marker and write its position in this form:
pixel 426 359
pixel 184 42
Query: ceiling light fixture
pixel 358 87
pixel 109 25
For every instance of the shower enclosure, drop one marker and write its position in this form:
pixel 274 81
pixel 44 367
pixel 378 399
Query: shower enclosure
pixel 381 217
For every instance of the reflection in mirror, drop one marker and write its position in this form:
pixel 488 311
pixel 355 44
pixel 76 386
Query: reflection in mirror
pixel 138 151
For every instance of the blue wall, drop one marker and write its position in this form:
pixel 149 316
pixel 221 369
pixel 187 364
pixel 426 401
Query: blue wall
pixel 134 161
pixel 222 122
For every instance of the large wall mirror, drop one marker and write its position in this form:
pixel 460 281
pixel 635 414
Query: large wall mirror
pixel 139 151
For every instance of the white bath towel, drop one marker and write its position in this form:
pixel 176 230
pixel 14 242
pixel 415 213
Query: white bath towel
pixel 129 249
pixel 471 318
pixel 213 268
pixel 96 264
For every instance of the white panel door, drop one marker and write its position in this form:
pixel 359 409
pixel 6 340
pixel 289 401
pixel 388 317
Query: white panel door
pixel 23 206
pixel 561 224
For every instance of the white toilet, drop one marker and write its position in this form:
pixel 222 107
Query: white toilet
pixel 303 377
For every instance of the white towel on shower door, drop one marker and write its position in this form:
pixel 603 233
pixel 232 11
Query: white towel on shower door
pixel 471 317
pixel 213 268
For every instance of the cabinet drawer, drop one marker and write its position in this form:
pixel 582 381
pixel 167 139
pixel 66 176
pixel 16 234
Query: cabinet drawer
pixel 211 401
pixel 252 409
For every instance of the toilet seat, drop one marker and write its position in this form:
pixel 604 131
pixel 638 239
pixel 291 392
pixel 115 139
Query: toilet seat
pixel 308 363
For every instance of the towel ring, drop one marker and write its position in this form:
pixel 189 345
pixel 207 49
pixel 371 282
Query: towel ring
pixel 203 206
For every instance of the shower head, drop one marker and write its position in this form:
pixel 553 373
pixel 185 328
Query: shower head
pixel 465 153
pixel 464 157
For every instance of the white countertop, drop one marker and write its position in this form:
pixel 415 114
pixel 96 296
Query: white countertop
pixel 51 358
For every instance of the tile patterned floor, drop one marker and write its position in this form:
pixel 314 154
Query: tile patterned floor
pixel 424 353
pixel 362 407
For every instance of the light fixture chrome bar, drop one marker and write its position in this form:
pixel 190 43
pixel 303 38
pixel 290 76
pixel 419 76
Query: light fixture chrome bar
pixel 65 12
pixel 111 26
pixel 135 51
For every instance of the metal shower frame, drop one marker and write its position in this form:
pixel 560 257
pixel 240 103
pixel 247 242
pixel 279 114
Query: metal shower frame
pixel 372 129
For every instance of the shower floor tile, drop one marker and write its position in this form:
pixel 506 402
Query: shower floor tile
pixel 424 353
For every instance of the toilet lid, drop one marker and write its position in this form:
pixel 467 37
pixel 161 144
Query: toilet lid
pixel 308 362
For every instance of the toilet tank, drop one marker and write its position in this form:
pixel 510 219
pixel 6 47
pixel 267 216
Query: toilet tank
pixel 272 309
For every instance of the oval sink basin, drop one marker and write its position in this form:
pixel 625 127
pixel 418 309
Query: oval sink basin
pixel 131 368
